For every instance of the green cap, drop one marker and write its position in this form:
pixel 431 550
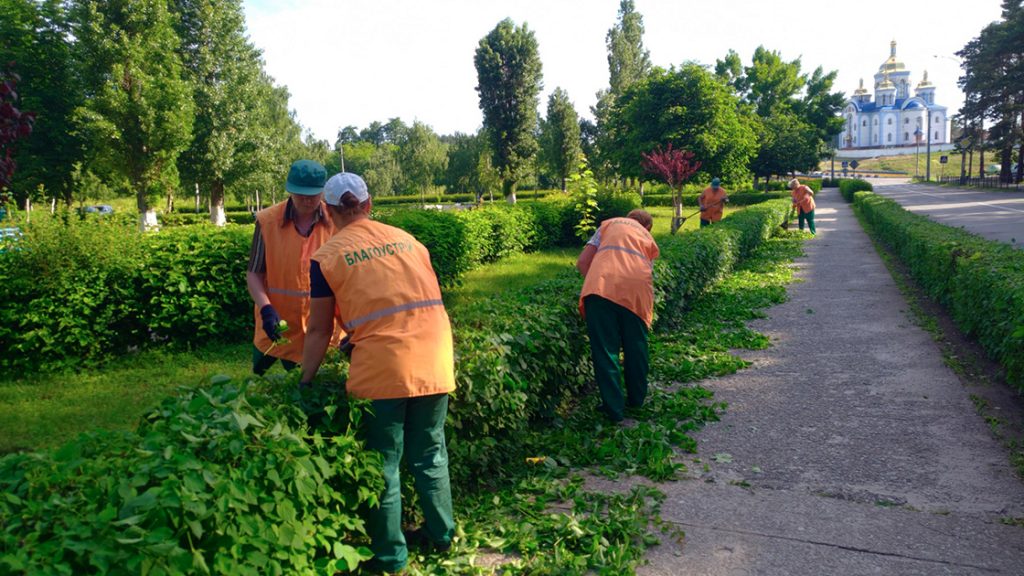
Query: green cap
pixel 715 182
pixel 306 177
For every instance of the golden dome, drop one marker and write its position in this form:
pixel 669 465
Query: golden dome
pixel 925 83
pixel 886 84
pixel 892 64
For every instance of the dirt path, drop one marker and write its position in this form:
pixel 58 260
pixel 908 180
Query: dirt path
pixel 848 447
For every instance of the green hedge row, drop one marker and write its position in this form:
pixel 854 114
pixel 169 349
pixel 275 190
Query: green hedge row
pixel 524 355
pixel 849 187
pixel 250 479
pixel 783 185
pixel 980 282
pixel 744 198
pixel 81 290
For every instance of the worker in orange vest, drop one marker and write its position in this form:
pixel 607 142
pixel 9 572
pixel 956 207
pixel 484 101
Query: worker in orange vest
pixel 712 202
pixel 803 200
pixel 617 302
pixel 286 236
pixel 380 280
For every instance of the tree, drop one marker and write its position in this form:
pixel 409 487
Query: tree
pixel 628 63
pixel 34 35
pixel 779 100
pixel 686 107
pixel 673 167
pixel 14 125
pixel 138 113
pixel 628 60
pixel 423 157
pixel 279 143
pixel 384 175
pixel 509 83
pixel 224 69
pixel 771 83
pixel 993 79
pixel 560 137
pixel 820 108
pixel 787 144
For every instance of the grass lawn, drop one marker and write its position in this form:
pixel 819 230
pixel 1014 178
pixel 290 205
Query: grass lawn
pixel 910 164
pixel 663 219
pixel 511 273
pixel 45 410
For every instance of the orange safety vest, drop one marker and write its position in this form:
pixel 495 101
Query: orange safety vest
pixel 803 198
pixel 389 300
pixel 622 268
pixel 287 278
pixel 712 201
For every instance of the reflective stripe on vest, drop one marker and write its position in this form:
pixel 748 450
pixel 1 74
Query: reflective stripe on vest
pixel 628 251
pixel 349 326
pixel 286 292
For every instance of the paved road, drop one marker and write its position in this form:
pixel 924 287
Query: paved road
pixel 994 215
pixel 848 447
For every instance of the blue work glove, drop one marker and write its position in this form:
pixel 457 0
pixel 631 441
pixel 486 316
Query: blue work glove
pixel 270 322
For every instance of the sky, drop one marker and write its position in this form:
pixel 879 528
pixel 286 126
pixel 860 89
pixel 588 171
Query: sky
pixel 351 62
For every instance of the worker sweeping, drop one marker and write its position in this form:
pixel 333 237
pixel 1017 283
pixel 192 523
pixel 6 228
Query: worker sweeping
pixel 803 202
pixel 382 283
pixel 617 302
pixel 712 202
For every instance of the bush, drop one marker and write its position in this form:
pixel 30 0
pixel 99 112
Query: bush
pixel 830 183
pixel 79 291
pixel 524 357
pixel 222 479
pixel 742 198
pixel 848 187
pixel 192 287
pixel 980 281
pixel 69 292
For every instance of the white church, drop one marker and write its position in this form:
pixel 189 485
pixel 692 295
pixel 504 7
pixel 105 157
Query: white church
pixel 894 118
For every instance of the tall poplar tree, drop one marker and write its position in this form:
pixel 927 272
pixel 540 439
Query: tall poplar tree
pixel 225 74
pixel 138 112
pixel 509 83
pixel 628 63
pixel 628 60
pixel 560 137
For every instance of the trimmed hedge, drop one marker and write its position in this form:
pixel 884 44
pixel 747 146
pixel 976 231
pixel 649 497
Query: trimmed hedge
pixel 78 291
pixel 783 185
pixel 521 357
pixel 238 479
pixel 744 198
pixel 979 281
pixel 849 187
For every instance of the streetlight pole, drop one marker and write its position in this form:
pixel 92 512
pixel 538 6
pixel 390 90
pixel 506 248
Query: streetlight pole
pixel 928 146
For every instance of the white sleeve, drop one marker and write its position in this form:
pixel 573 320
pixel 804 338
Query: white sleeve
pixel 595 240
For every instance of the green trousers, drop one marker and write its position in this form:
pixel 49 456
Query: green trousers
pixel 262 362
pixel 613 328
pixel 414 426
pixel 809 217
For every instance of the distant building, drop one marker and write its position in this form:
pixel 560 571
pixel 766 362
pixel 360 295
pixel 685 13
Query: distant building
pixel 894 118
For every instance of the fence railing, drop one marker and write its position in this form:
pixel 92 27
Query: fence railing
pixel 987 182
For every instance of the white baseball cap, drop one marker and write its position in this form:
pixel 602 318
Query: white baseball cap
pixel 343 182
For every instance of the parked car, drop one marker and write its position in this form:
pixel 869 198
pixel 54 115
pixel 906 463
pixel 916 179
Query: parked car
pixel 101 209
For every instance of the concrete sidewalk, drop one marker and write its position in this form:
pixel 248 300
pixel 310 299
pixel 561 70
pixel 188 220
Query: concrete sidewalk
pixel 848 447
